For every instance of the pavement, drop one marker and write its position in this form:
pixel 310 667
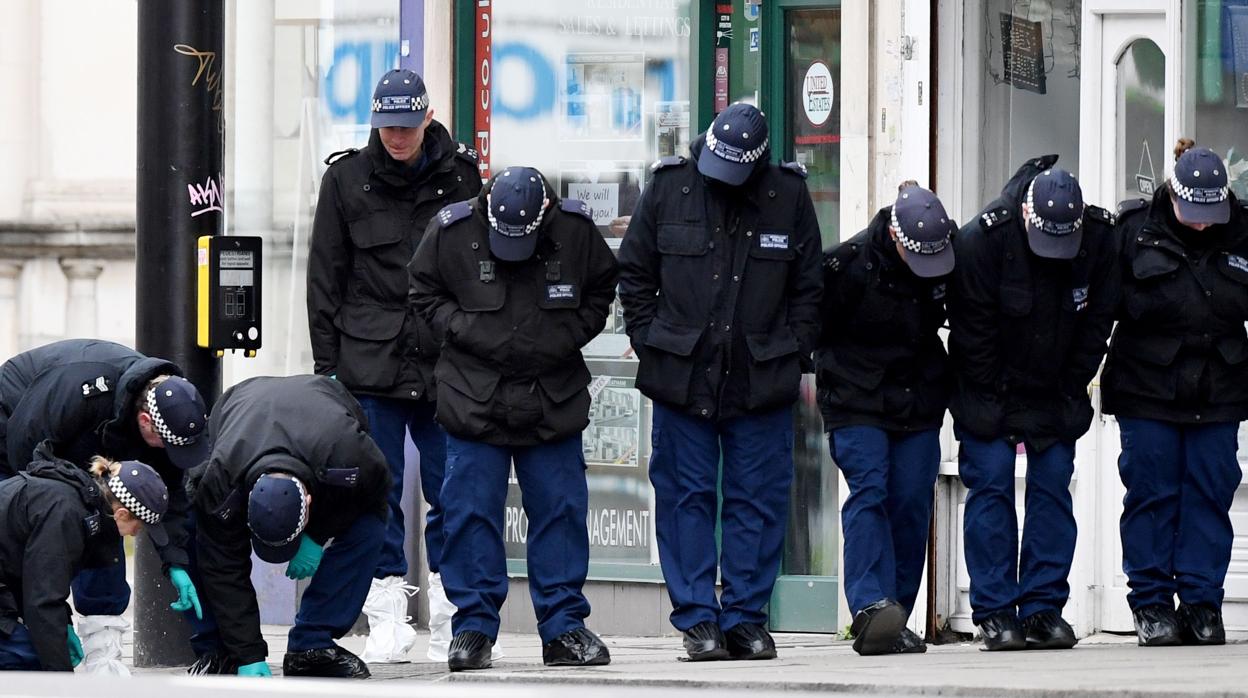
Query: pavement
pixel 1101 666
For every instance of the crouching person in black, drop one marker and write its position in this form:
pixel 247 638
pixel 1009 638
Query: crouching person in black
pixel 57 519
pixel 292 469
pixel 884 383
pixel 517 282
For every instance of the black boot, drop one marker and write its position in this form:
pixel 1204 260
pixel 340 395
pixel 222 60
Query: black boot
pixel 213 663
pixel 1002 632
pixel 1157 626
pixel 469 650
pixel 877 627
pixel 908 643
pixel 328 663
pixel 578 647
pixel 705 642
pixel 750 641
pixel 1047 630
pixel 1201 625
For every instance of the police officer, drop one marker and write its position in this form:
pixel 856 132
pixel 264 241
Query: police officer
pixel 1177 380
pixel 884 383
pixel 373 209
pixel 1030 309
pixel 720 284
pixel 517 281
pixel 57 519
pixel 292 468
pixel 85 397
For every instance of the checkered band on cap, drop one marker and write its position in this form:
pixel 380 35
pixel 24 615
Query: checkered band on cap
pixel 118 488
pixel 303 519
pixel 924 247
pixel 393 103
pixel 732 153
pixel 158 423
pixel 1050 227
pixel 510 230
pixel 1197 195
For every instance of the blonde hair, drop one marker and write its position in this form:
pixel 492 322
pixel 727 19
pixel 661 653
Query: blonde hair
pixel 1184 145
pixel 140 402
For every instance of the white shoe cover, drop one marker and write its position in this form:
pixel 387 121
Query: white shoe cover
pixel 101 645
pixel 441 610
pixel 390 634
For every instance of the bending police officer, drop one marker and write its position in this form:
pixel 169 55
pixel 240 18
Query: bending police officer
pixel 373 209
pixel 884 383
pixel 720 285
pixel 1177 380
pixel 1030 309
pixel 54 520
pixel 292 469
pixel 517 281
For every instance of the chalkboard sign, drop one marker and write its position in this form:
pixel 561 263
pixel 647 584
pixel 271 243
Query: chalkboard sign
pixel 1022 50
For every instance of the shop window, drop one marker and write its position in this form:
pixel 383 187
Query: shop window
pixel 1141 120
pixel 1219 76
pixel 1022 86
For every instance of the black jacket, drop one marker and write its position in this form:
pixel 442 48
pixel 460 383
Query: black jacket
pixel 315 420
pixel 1179 353
pixel 79 396
pixel 53 523
pixel 369 220
pixel 881 361
pixel 1027 334
pixel 720 288
pixel 511 371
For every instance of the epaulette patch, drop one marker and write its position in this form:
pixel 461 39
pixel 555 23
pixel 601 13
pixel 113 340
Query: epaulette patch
pixel 1131 206
pixel 994 217
pixel 1101 214
pixel 339 155
pixel 455 212
pixel 668 161
pixel 795 167
pixel 578 207
pixel 835 260
pixel 469 154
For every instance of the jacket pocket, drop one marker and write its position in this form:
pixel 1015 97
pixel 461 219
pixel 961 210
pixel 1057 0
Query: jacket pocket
pixel 775 372
pixel 465 393
pixel 1016 301
pixel 565 401
pixel 369 345
pixel 1144 366
pixel 476 296
pixel 374 229
pixel 1228 372
pixel 683 239
pixel 666 361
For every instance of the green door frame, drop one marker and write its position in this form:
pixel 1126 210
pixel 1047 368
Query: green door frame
pixel 799 603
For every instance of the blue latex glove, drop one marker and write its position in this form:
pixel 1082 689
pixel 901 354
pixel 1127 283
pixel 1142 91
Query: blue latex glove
pixel 188 598
pixel 306 560
pixel 75 647
pixel 255 669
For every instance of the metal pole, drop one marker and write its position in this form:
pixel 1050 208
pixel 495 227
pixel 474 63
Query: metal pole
pixel 181 134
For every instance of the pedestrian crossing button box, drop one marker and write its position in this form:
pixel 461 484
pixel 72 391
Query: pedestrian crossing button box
pixel 229 293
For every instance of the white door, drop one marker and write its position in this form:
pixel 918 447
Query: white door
pixel 1126 152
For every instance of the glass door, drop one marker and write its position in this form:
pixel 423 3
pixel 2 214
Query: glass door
pixel 802 67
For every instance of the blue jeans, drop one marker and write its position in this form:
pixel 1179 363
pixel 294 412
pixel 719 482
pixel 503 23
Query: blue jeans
pixel 333 600
pixel 1176 523
pixel 1000 581
pixel 388 419
pixel 757 474
pixel 17 652
pixel 891 476
pixel 556 502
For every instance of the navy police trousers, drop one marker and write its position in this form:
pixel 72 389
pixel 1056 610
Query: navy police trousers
pixel 556 502
pixel 1176 523
pixel 1001 579
pixel 885 520
pixel 757 475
